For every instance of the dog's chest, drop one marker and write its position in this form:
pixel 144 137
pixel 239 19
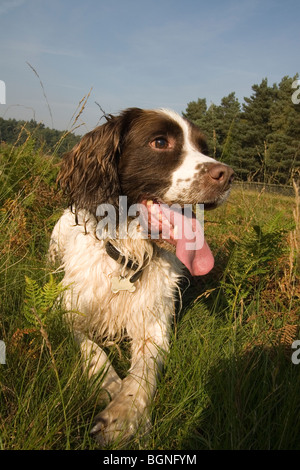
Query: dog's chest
pixel 107 301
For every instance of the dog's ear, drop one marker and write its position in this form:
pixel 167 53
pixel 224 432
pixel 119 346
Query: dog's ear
pixel 89 173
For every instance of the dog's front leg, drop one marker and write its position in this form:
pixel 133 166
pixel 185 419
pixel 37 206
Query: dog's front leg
pixel 129 411
pixel 96 363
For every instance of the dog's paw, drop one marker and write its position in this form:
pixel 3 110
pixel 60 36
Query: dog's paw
pixel 119 422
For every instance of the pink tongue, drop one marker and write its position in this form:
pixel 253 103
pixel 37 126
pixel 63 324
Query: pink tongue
pixel 191 247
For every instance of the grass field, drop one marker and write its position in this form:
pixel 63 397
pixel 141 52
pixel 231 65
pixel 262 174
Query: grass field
pixel 229 381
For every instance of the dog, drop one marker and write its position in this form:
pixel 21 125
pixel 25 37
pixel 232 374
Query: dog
pixel 127 285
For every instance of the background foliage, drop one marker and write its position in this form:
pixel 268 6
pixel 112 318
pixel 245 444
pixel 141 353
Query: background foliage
pixel 13 131
pixel 260 139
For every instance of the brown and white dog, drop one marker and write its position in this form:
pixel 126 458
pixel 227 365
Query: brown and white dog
pixel 128 286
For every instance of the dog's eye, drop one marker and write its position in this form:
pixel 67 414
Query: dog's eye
pixel 160 143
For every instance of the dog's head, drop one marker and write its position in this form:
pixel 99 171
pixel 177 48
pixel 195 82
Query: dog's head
pixel 152 157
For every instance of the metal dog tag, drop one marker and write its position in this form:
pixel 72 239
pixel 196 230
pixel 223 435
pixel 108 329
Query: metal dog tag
pixel 121 284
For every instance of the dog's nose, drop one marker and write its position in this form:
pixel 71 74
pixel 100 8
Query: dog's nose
pixel 221 174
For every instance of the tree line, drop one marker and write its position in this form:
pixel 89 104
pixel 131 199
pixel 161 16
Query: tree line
pixel 260 139
pixel 49 140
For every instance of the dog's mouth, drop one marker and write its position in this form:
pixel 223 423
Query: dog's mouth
pixel 180 228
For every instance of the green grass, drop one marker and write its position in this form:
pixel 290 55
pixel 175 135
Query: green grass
pixel 228 383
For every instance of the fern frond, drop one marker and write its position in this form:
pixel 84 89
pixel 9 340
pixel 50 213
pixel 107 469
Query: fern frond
pixel 252 261
pixel 40 299
pixel 31 300
pixel 50 292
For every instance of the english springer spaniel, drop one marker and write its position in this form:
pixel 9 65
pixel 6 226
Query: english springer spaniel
pixel 126 284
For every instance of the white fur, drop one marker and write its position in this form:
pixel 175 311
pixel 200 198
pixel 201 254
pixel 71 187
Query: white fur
pixel 145 316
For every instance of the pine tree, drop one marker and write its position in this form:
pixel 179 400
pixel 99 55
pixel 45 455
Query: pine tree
pixel 284 138
pixel 219 124
pixel 226 126
pixel 261 142
pixel 196 110
pixel 255 128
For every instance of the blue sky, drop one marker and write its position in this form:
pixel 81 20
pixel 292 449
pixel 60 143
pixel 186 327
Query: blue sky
pixel 154 53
